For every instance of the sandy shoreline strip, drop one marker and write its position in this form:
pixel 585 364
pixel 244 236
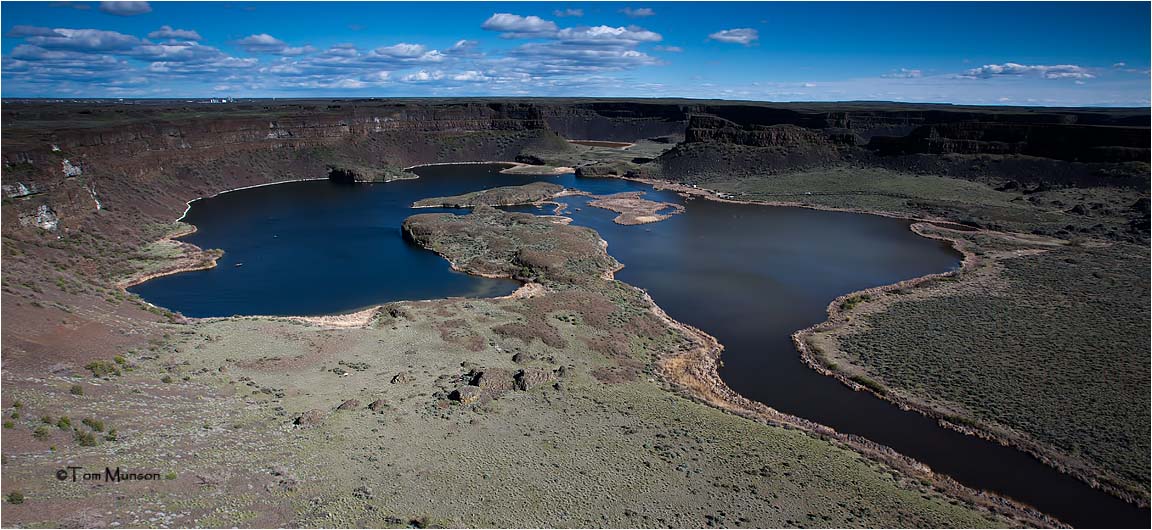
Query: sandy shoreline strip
pixel 189 203
pixel 516 168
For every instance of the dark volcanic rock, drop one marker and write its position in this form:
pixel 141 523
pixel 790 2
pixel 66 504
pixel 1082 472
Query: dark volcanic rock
pixel 310 418
pixel 494 380
pixel 349 405
pixel 703 128
pixel 530 378
pixel 530 159
pixel 466 394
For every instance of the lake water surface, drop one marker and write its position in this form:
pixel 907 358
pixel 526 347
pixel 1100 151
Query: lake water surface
pixel 748 275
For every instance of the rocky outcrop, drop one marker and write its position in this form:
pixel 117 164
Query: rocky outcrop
pixel 43 217
pixel 491 383
pixel 501 196
pixel 466 394
pixel 19 189
pixel 310 418
pixel 402 378
pixel 381 173
pixel 530 378
pixel 492 380
pixel 350 404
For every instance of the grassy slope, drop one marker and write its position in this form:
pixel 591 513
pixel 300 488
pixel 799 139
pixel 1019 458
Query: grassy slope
pixel 1055 347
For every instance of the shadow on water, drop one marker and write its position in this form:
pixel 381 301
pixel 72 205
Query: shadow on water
pixel 748 275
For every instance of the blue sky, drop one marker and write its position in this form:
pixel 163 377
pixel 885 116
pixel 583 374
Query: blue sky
pixel 1030 53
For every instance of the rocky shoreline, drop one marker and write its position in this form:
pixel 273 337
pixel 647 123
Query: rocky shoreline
pixel 193 258
pixel 695 373
pixel 515 168
pixel 878 297
pixel 836 317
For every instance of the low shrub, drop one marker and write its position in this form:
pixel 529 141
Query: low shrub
pixel 103 368
pixel 851 302
pixel 96 425
pixel 86 438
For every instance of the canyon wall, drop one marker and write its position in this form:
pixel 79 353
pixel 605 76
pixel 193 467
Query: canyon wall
pixel 1060 147
pixel 65 162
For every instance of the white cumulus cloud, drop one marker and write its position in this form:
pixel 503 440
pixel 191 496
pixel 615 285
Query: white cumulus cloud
pixel 403 50
pixel 607 34
pixel 745 36
pixel 1057 71
pixel 516 25
pixel 168 32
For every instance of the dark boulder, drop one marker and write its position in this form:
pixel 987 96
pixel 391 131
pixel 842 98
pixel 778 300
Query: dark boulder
pixel 310 418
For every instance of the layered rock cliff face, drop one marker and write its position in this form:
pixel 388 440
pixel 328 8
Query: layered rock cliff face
pixel 1086 143
pixel 615 121
pixel 1074 147
pixel 146 159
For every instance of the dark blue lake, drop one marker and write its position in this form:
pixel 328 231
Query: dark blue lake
pixel 749 275
pixel 317 247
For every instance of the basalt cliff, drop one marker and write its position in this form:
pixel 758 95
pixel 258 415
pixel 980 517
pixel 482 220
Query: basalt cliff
pixel 66 162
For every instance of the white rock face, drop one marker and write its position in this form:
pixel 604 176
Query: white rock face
pixel 71 170
pixel 44 218
pixel 18 189
pixel 92 192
